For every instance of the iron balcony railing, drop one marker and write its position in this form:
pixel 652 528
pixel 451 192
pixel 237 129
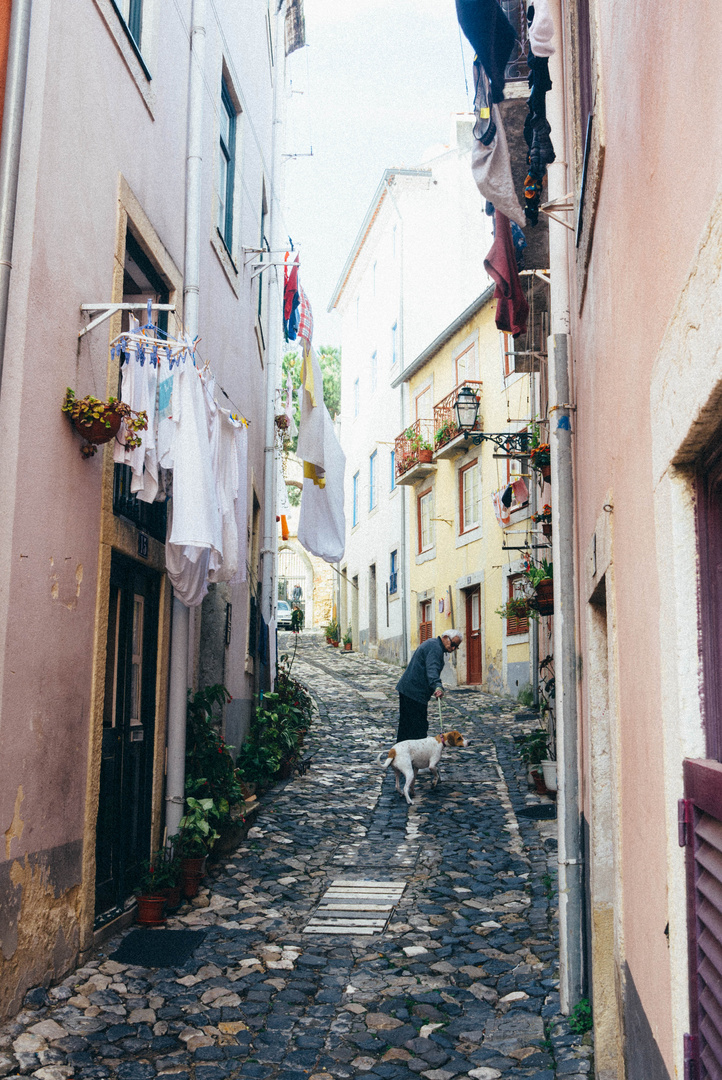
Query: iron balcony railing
pixel 445 423
pixel 412 444
pixel 517 68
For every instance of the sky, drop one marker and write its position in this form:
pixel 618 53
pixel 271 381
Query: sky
pixel 374 88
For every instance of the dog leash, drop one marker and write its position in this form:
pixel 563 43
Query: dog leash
pixel 441 721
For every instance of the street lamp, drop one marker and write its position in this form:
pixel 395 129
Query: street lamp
pixel 466 409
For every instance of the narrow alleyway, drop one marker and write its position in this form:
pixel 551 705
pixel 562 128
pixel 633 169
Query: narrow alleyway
pixel 461 981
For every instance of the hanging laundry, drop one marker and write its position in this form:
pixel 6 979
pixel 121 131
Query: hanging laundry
pixel 541 28
pixel 139 382
pixel 322 524
pixel 519 244
pixel 490 163
pixel 501 512
pixel 291 300
pixel 507 496
pixel 227 481
pixel 305 317
pixel 500 264
pixel 294 26
pixel 521 492
pixel 537 131
pixel 491 35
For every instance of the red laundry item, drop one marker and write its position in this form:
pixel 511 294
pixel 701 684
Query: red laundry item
pixel 500 264
pixel 290 288
pixel 521 492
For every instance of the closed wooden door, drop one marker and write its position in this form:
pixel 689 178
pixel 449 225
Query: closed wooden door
pixel 425 624
pixel 126 771
pixel 473 635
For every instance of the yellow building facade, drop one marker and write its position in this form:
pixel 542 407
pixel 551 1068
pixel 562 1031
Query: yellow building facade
pixel 464 563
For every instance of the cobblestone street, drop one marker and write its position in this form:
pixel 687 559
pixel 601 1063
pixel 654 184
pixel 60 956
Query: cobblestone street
pixel 461 981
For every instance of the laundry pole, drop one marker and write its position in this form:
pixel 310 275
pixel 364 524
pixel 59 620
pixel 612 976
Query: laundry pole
pixel 269 547
pixel 180 626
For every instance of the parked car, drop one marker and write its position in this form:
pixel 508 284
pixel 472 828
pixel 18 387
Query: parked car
pixel 283 615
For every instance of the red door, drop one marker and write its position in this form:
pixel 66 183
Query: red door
pixel 473 635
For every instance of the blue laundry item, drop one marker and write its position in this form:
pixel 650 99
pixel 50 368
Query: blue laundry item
pixel 519 241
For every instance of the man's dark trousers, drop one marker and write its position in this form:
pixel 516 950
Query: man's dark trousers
pixel 413 722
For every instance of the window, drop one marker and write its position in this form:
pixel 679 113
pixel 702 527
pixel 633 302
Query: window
pixel 507 354
pixel 394 572
pixel 466 365
pixel 263 243
pixel 373 498
pixel 424 518
pixel 517 470
pixel 356 398
pixel 226 162
pixel 469 497
pixel 394 355
pixel 355 498
pixel 393 470
pixel 374 372
pixel 516 588
pixel 132 12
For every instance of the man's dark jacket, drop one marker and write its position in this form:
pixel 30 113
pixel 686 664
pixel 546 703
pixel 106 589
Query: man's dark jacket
pixel 423 675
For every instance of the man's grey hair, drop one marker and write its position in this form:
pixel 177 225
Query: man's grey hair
pixel 452 635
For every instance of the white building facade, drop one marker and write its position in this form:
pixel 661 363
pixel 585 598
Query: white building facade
pixel 417 260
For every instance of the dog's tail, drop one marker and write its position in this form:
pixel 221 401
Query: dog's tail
pixel 386 757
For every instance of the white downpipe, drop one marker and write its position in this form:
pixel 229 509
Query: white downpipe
pixel 571 869
pixel 275 300
pixel 180 629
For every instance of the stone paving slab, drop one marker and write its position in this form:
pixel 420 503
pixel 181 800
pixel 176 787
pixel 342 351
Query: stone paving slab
pixel 463 981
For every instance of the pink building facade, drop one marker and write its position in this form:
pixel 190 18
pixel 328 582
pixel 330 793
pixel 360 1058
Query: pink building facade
pixel 637 302
pixel 84 593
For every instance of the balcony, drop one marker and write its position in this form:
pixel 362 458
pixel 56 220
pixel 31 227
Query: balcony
pixel 448 440
pixel 413 449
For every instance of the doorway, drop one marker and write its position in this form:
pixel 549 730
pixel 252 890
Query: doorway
pixel 123 830
pixel 426 629
pixel 373 613
pixel 473 635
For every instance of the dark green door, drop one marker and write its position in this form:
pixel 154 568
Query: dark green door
pixel 126 771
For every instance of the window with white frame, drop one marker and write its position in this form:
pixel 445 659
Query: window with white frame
pixel 469 497
pixel 393 470
pixel 466 364
pixel 226 165
pixel 424 507
pixel 373 476
pixel 394 343
pixel 356 398
pixel 355 499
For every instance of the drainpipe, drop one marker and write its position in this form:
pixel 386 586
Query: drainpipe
pixel 405 594
pixel 13 109
pixel 275 301
pixel 533 623
pixel 571 875
pixel 180 629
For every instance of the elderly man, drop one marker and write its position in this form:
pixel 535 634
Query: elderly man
pixel 420 681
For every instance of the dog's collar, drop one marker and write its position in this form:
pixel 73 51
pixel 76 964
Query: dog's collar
pixel 442 738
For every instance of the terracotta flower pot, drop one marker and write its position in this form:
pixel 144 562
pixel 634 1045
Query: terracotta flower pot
pixel 150 910
pixel 96 431
pixel 172 894
pixel 192 873
pixel 335 644
pixel 545 597
pixel 547 528
pixel 546 472
pixel 425 456
pixel 539 784
pixel 347 646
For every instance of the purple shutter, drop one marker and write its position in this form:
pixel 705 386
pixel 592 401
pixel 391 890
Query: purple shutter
pixel 701 830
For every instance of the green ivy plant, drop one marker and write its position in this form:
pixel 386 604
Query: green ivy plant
pixel 581 1020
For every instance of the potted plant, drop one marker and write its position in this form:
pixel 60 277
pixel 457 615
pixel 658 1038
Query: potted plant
pixel 544 518
pixel 516 608
pixel 540 577
pixel 99 421
pixel 197 837
pixel 332 633
pixel 168 876
pixel 540 459
pixel 151 901
pixel 533 749
pixel 425 451
pixel 347 640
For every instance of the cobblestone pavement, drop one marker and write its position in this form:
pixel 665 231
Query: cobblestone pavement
pixel 462 981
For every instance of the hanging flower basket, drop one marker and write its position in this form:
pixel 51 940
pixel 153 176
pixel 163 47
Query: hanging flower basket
pixel 545 597
pixel 540 459
pixel 99 421
pixel 282 422
pixel 547 528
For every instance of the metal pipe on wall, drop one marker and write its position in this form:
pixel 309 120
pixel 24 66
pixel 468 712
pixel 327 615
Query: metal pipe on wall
pixel 180 627
pixel 571 875
pixel 13 110
pixel 269 546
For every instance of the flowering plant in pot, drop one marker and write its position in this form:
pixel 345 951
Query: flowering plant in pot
pixel 347 640
pixel 99 421
pixel 518 607
pixel 544 518
pixel 167 867
pixel 151 900
pixel 540 577
pixel 540 459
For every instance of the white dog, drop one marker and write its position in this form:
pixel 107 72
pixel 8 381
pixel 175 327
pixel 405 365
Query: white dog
pixel 408 757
